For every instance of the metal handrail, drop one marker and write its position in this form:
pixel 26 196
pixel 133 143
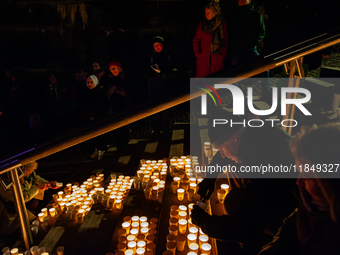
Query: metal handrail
pixel 236 74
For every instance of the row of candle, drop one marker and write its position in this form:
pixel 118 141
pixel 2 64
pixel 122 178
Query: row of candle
pixel 137 236
pixel 182 230
pixel 77 200
pixel 151 178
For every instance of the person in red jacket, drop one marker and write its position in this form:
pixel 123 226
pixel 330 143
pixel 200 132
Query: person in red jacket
pixel 210 41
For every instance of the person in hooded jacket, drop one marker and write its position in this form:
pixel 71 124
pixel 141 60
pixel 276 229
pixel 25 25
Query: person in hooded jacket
pixel 95 103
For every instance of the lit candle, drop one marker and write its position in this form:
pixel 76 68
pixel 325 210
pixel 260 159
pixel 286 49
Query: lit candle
pixel 203 239
pixel 41 217
pixel 182 215
pixel 14 251
pixel 191 238
pixel 180 194
pixel 131 238
pixel 193 247
pixel 52 212
pixel 141 244
pixel 118 204
pixel 143 219
pixel 60 194
pixel 193 186
pixel 44 210
pixel 144 224
pixel 134 231
pixel 206 248
pixel 126 226
pixel 193 230
pixel 140 251
pixel 182 208
pixel 135 219
pixel 135 225
pixel 182 226
pixel 144 231
pixel 221 193
pixel 132 245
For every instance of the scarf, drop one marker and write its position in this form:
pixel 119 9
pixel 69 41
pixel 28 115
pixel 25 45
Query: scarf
pixel 215 27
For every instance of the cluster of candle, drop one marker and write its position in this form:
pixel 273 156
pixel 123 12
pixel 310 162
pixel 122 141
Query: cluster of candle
pixel 77 200
pixel 184 182
pixel 151 178
pixel 209 152
pixel 182 231
pixel 137 236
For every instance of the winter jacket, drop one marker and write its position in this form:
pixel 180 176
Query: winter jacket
pixel 207 63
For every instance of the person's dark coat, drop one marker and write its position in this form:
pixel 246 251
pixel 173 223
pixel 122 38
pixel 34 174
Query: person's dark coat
pixel 255 207
pixel 207 63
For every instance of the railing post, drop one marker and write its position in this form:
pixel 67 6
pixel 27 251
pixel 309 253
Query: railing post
pixel 21 209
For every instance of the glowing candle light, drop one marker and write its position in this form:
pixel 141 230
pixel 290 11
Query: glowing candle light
pixel 203 239
pixel 193 230
pixel 135 219
pixel 182 226
pixel 141 244
pixel 144 224
pixel 126 226
pixel 193 247
pixel 180 194
pixel 118 204
pixel 191 238
pixel 52 212
pixel 41 217
pixel 140 251
pixel 131 238
pixel 143 219
pixel 182 215
pixel 134 231
pixel 132 245
pixel 144 231
pixel 206 248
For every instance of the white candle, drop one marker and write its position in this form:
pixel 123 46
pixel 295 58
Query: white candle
pixel 180 194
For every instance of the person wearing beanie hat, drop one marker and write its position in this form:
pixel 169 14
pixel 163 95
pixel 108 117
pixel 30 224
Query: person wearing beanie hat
pixel 115 67
pixel 92 81
pixel 254 206
pixel 160 73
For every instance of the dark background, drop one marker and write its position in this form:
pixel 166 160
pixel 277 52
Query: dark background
pixel 35 35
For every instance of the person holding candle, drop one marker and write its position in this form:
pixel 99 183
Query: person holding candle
pixel 255 207
pixel 313 228
pixel 33 185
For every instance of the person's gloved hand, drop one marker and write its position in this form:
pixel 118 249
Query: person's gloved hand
pixel 198 215
pixel 206 188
